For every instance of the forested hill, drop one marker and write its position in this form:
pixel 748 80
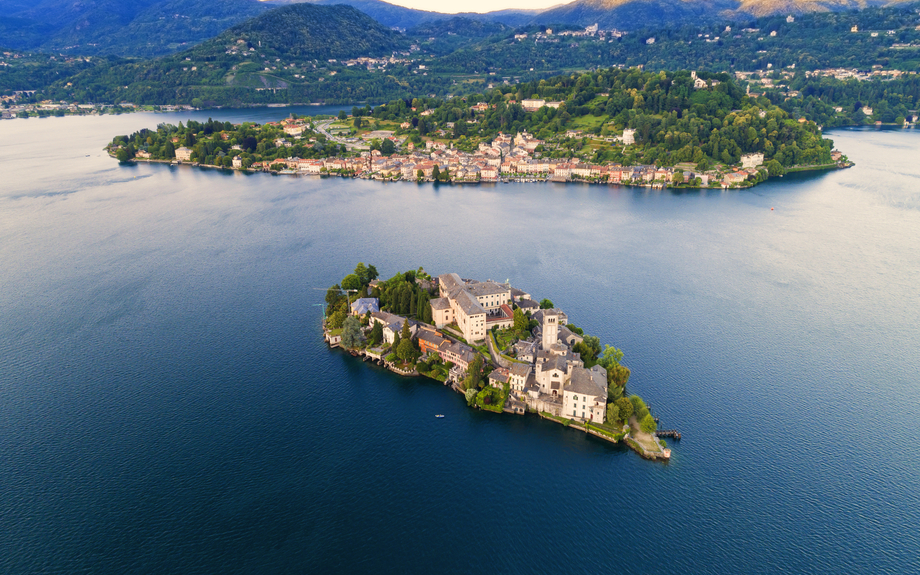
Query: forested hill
pixel 308 31
pixel 136 28
pixel 638 14
pixel 294 50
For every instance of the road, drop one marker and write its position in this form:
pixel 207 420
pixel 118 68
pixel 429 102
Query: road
pixel 322 127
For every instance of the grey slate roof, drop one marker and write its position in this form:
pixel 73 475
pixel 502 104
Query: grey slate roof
pixel 486 288
pixel 520 369
pixel 469 304
pixel 440 303
pixel 449 282
pixel 588 382
pixel 364 305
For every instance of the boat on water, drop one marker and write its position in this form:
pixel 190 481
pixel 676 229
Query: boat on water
pixel 439 416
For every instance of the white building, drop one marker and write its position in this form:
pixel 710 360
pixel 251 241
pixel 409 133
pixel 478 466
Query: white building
pixel 629 137
pixel 751 160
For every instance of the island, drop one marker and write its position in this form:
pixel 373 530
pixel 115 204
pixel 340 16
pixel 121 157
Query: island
pixel 613 126
pixel 496 345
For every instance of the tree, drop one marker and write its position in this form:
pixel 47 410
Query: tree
pixel 625 408
pixel 619 375
pixel 648 424
pixel 361 272
pixel 332 296
pixel 405 351
pixel 613 413
pixel 589 349
pixel 420 174
pixel 775 168
pixel 351 282
pixel 520 320
pixel 436 172
pixel 387 147
pixel 372 273
pixel 337 319
pixel 546 304
pixel 470 395
pixel 123 155
pixel 637 403
pixel 376 334
pixel 352 336
pixel 396 342
pixel 473 373
pixel 342 115
pixel 610 358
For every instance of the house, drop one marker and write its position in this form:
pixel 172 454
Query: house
pixel 751 160
pixel 441 312
pixel 528 305
pixel 237 162
pixel 530 105
pixel 499 377
pixel 867 110
pixel 629 137
pixel 430 341
pixel 735 178
pixel 457 353
pixel 184 154
pixel 584 396
pixel 392 324
pixel 363 305
pixel 472 304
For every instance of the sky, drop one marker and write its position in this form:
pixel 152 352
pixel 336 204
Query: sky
pixel 454 6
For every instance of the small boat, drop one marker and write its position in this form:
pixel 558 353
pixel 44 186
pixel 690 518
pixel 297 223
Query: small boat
pixel 439 416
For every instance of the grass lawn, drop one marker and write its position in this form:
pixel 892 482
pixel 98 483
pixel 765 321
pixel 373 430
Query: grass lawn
pixel 589 122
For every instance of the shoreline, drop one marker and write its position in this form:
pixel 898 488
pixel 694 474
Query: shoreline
pixel 664 454
pixel 522 179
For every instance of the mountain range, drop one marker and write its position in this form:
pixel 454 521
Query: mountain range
pixel 145 28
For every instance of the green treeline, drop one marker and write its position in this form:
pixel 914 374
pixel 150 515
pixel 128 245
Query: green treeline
pixel 216 143
pixel 891 101
pixel 674 122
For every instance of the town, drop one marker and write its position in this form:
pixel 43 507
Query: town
pixel 506 158
pixel 495 344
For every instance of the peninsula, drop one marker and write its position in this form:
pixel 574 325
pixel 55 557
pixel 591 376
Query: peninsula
pixel 619 126
pixel 495 344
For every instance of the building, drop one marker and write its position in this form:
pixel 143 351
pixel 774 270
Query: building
pixel 471 305
pixel 629 137
pixel 499 377
pixel 532 105
pixel 584 396
pixel 751 160
pixel 184 154
pixel 363 305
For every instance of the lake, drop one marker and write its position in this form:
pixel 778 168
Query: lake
pixel 167 404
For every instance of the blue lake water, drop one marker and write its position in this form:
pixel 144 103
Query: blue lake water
pixel 167 404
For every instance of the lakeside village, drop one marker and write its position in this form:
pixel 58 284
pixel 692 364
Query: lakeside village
pixel 497 346
pixel 505 158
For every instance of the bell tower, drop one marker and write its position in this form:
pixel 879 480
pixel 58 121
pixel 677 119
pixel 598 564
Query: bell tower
pixel 550 329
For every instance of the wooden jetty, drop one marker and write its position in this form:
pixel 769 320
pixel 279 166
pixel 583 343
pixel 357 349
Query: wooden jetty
pixel 672 433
